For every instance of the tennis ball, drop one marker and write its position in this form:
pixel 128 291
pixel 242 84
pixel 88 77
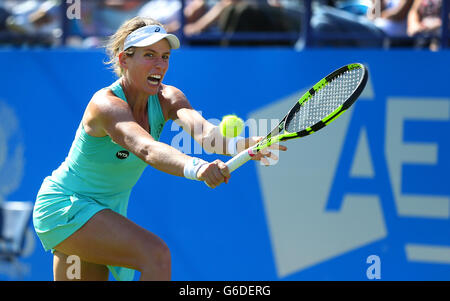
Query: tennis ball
pixel 231 126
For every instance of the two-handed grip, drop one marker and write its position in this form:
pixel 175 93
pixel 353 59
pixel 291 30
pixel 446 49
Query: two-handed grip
pixel 239 159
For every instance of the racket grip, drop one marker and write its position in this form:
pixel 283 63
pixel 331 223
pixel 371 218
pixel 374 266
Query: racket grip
pixel 239 159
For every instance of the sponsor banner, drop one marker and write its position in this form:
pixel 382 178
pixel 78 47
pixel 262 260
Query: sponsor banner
pixel 366 198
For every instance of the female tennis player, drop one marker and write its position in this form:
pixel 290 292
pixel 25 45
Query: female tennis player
pixel 81 208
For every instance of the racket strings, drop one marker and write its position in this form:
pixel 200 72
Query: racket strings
pixel 324 101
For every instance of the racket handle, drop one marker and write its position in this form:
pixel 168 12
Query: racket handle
pixel 239 159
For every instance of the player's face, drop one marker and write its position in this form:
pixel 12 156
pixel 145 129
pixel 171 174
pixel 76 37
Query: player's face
pixel 148 65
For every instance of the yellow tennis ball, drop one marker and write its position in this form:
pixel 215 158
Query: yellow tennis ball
pixel 231 126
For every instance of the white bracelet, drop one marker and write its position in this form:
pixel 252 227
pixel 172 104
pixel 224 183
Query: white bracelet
pixel 192 166
pixel 232 145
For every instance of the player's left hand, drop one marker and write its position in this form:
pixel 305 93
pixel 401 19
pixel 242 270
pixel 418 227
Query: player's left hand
pixel 265 153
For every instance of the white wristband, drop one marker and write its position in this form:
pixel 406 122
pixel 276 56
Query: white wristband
pixel 232 145
pixel 191 168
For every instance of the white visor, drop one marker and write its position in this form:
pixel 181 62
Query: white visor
pixel 149 35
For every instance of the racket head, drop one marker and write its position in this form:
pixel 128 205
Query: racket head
pixel 320 109
pixel 325 101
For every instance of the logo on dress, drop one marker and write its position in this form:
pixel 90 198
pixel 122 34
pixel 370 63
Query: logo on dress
pixel 123 154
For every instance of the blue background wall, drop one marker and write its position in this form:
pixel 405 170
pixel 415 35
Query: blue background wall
pixel 230 233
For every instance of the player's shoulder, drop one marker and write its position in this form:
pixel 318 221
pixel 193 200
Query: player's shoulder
pixel 171 93
pixel 105 98
pixel 104 106
pixel 173 96
pixel 173 99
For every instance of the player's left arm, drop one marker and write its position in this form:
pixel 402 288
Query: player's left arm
pixel 204 132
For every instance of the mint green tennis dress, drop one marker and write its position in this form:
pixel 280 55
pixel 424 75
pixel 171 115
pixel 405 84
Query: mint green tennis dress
pixel 97 174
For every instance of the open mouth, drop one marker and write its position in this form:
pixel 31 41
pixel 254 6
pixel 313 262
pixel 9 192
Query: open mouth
pixel 154 79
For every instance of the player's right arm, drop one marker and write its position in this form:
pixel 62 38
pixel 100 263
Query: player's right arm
pixel 109 115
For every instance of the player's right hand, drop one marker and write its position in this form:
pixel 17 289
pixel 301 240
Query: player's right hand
pixel 214 173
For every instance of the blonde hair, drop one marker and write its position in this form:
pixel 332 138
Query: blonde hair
pixel 115 43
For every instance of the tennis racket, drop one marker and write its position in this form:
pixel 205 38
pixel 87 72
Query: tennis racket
pixel 317 108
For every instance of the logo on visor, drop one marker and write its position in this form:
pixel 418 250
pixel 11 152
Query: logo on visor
pixel 157 29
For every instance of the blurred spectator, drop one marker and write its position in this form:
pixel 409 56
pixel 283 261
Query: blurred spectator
pixel 110 14
pixel 328 20
pixel 424 22
pixel 168 12
pixel 232 16
pixel 103 17
pixel 100 18
pixel 357 7
pixel 391 17
pixel 31 21
pixel 4 14
pixel 40 21
pixel 209 18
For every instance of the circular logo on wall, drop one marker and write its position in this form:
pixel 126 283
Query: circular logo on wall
pixel 12 160
pixel 14 213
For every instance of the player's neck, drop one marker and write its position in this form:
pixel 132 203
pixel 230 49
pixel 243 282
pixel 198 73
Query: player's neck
pixel 136 99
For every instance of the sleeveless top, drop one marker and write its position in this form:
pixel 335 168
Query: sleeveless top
pixel 100 168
